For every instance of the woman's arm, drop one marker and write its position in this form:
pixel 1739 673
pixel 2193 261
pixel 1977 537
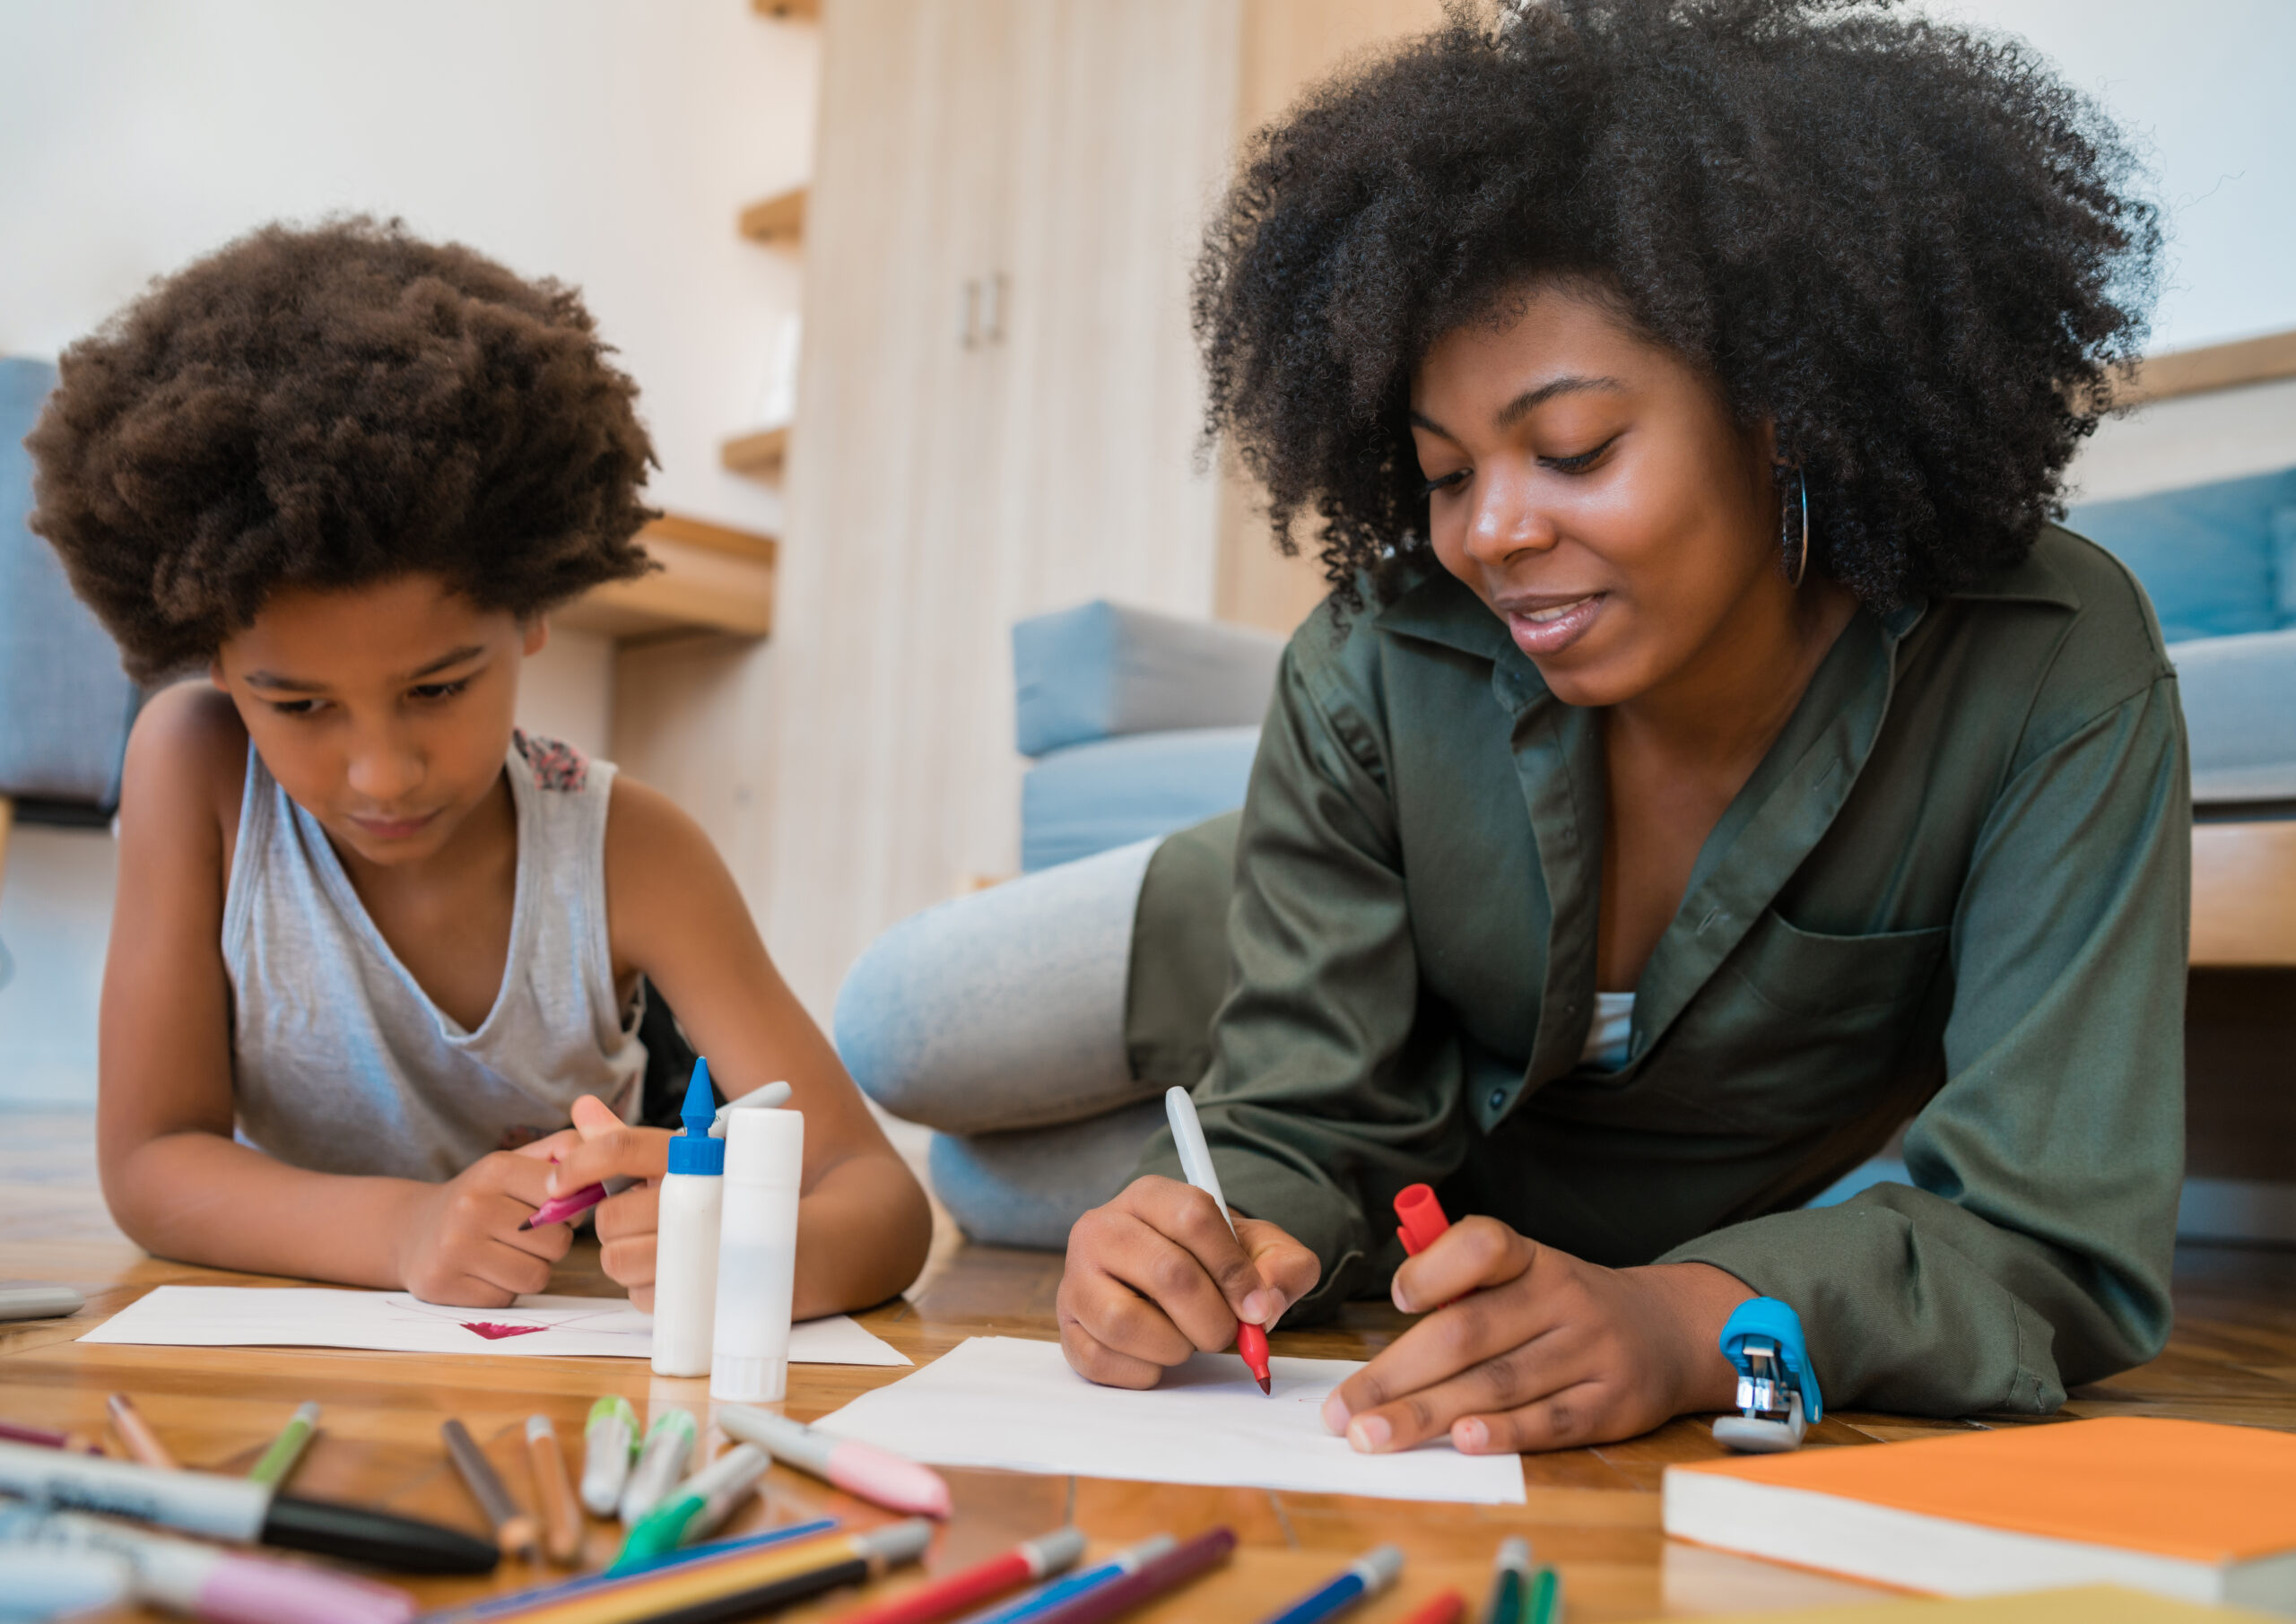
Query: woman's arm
pixel 175 1179
pixel 676 918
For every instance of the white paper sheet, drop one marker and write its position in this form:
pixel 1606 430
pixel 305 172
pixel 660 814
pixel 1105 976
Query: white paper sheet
pixel 1000 1401
pixel 563 1327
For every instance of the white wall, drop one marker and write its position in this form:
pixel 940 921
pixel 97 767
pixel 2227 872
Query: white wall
pixel 2208 88
pixel 607 143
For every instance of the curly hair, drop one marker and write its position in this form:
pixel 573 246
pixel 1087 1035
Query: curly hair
pixel 327 408
pixel 1908 246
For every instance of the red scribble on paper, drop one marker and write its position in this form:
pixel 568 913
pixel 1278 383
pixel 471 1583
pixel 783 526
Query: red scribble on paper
pixel 494 1332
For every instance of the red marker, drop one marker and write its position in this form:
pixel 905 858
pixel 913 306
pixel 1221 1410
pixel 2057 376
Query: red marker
pixel 1195 1162
pixel 1423 1222
pixel 1444 1609
pixel 1024 1564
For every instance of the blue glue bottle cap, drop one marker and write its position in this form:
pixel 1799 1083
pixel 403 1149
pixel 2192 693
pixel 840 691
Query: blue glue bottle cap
pixel 693 1150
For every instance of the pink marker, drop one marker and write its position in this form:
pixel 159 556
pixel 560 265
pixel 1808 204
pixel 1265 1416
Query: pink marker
pixel 876 1475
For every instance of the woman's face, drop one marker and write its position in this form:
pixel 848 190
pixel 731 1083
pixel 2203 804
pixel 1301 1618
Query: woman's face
pixel 1593 490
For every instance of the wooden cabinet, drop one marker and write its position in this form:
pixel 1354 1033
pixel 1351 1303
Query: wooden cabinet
pixel 1000 408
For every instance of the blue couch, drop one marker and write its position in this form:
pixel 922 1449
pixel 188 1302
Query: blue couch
pixel 2220 563
pixel 1140 724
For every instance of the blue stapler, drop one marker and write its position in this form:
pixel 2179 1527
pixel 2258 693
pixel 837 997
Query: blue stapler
pixel 1778 1392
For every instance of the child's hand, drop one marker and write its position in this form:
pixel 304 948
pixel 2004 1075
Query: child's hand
pixel 610 1148
pixel 1540 1350
pixel 464 1245
pixel 1154 1276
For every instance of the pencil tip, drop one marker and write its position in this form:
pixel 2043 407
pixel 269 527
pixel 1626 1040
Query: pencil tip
pixel 1267 1387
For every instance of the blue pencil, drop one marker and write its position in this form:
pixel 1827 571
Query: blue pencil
pixel 1044 1598
pixel 1367 1576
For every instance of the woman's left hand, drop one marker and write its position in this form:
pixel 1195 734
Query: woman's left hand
pixel 1540 1350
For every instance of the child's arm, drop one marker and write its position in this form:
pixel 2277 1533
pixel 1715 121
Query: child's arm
pixel 175 1180
pixel 677 917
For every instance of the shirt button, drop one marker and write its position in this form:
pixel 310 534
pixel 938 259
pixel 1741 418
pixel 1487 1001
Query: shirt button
pixel 1497 1097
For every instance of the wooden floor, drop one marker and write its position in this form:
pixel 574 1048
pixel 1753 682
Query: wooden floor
pixel 1593 1512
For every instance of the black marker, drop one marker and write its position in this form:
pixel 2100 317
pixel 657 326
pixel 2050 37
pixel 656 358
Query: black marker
pixel 236 1509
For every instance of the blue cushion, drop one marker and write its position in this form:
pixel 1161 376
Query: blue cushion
pixel 1092 797
pixel 2238 716
pixel 2205 553
pixel 65 703
pixel 1102 671
pixel 2283 563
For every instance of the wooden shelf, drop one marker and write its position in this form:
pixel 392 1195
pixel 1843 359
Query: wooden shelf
pixel 756 454
pixel 713 578
pixel 2248 360
pixel 2243 877
pixel 781 218
pixel 786 11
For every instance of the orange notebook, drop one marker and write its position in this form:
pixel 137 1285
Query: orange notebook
pixel 2185 1509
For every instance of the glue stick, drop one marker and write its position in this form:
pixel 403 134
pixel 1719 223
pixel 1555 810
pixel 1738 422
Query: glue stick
pixel 686 1248
pixel 757 1256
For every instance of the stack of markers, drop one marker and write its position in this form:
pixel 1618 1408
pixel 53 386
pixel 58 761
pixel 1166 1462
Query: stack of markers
pixel 1521 1593
pixel 75 1534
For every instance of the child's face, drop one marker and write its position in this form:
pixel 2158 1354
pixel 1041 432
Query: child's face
pixel 383 710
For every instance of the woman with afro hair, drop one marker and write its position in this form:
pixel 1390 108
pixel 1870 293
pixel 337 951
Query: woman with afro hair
pixel 380 958
pixel 1710 760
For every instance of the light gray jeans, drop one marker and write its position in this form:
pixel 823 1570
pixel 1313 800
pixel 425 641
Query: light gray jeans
pixel 997 1020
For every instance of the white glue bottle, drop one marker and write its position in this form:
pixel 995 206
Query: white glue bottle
pixel 757 1256
pixel 685 1246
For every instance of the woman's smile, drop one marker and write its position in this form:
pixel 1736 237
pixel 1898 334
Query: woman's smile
pixel 1544 624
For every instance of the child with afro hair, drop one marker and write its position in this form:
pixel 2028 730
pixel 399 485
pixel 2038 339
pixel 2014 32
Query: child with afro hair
pixel 381 960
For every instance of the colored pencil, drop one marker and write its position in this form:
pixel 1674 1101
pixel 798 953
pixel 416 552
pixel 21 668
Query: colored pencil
pixel 514 1530
pixel 1168 1572
pixel 738 1588
pixel 278 1463
pixel 1445 1608
pixel 142 1444
pixel 561 1519
pixel 1024 1564
pixel 1510 1581
pixel 1367 1576
pixel 687 1556
pixel 18 1432
pixel 1044 1598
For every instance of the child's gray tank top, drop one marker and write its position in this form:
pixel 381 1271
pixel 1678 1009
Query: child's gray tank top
pixel 341 1064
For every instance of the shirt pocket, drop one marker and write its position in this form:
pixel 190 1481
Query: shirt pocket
pixel 1797 1031
pixel 1808 974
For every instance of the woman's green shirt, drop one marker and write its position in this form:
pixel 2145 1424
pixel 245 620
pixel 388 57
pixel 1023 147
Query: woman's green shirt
pixel 1955 891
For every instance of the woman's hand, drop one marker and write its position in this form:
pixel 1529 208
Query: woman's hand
pixel 461 1242
pixel 610 1148
pixel 1155 1275
pixel 1540 1350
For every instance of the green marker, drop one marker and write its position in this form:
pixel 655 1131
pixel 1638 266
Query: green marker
pixel 1546 1597
pixel 694 1506
pixel 1510 1576
pixel 278 1462
pixel 609 1445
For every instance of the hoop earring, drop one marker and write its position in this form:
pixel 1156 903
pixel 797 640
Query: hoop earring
pixel 1801 555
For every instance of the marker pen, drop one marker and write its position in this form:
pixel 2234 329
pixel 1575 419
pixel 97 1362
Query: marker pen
pixel 1195 1162
pixel 236 1509
pixel 668 1442
pixel 609 1445
pixel 665 1527
pixel 227 1586
pixel 877 1475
